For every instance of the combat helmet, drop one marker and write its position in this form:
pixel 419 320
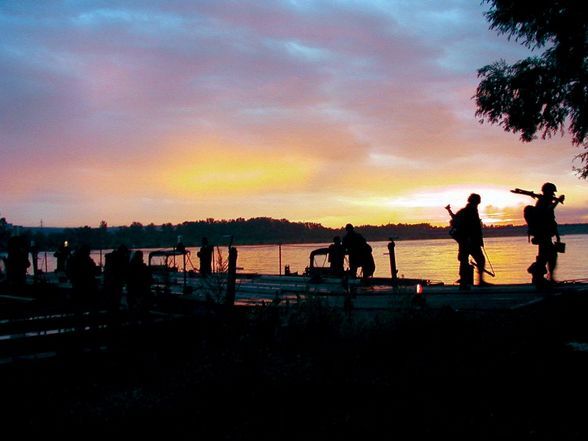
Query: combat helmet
pixel 549 188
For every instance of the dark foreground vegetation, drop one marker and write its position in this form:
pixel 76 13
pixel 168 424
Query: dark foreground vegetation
pixel 248 231
pixel 318 374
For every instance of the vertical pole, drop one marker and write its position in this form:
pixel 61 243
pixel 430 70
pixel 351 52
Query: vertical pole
pixel 35 259
pixel 185 274
pixel 393 269
pixel 280 258
pixel 231 277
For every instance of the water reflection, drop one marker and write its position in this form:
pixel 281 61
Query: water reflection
pixel 428 259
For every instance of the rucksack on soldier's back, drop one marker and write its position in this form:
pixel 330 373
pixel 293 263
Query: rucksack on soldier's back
pixel 533 219
pixel 456 229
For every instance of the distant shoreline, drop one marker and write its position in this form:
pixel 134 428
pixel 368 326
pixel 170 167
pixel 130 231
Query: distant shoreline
pixel 254 231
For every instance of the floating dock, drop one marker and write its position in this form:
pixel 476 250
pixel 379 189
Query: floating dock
pixel 378 295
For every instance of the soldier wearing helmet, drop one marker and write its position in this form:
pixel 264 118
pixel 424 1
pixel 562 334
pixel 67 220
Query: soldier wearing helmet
pixel 360 253
pixel 468 233
pixel 546 260
pixel 543 228
pixel 548 188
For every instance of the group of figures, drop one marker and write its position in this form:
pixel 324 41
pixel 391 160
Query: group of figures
pixel 466 229
pixel 123 269
pixel 359 251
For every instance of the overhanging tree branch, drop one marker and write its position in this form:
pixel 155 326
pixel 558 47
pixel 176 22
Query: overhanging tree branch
pixel 545 94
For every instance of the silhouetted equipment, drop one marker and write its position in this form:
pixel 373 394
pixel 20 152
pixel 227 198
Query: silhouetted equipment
pixel 392 256
pixel 491 273
pixel 162 263
pixel 315 270
pixel 542 227
pixel 34 250
pixel 231 277
pixel 453 230
pixel 168 257
pixel 466 229
pixel 475 265
pixel 558 200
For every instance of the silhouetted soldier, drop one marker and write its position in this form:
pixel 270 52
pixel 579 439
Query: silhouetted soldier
pixel 360 253
pixel 336 256
pixel 4 233
pixel 62 254
pixel 138 283
pixel 116 264
pixel 467 231
pixel 543 227
pixel 82 272
pixel 17 261
pixel 369 266
pixel 205 256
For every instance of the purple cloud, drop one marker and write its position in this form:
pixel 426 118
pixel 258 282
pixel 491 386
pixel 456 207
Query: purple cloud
pixel 109 87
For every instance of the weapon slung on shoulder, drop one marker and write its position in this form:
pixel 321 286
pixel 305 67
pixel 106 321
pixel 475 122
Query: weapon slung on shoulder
pixel 450 211
pixel 556 200
pixel 525 192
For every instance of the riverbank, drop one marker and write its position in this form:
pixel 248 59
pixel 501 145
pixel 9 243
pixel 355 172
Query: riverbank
pixel 254 231
pixel 317 374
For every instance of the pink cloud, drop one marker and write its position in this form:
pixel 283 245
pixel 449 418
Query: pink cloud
pixel 113 89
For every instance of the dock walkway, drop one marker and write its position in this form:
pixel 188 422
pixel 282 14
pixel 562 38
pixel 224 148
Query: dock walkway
pixel 251 291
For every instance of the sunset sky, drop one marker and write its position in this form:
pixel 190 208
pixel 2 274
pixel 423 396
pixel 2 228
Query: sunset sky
pixel 324 111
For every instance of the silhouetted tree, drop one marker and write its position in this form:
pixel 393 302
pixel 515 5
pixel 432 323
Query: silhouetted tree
pixel 540 94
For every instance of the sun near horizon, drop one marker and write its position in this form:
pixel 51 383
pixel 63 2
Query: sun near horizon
pixel 164 112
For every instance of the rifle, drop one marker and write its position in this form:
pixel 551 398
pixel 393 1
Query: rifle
pixel 490 273
pixel 555 200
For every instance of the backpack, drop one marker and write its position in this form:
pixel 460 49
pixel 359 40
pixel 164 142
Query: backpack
pixel 536 221
pixel 456 230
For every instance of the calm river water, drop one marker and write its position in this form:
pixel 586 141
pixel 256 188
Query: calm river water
pixel 428 259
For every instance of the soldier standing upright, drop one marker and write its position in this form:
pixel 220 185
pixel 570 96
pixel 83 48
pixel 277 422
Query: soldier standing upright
pixel 205 256
pixel 542 228
pixel 467 231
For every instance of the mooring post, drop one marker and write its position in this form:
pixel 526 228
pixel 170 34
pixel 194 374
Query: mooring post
pixel 393 269
pixel 231 277
pixel 185 273
pixel 182 248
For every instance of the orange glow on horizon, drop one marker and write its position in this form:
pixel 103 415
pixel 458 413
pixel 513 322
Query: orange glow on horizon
pixel 225 171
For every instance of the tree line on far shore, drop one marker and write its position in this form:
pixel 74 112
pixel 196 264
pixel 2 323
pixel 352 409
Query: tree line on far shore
pixel 261 230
